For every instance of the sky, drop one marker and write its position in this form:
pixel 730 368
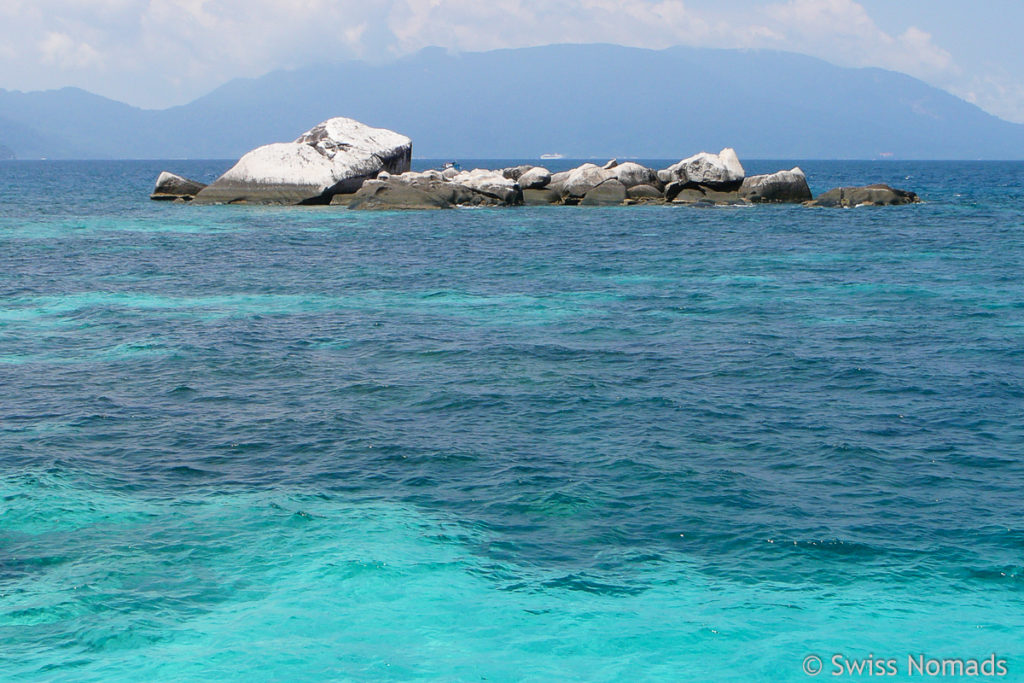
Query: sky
pixel 159 53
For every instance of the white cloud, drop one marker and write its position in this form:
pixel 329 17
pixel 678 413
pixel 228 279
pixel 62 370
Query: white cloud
pixel 841 31
pixel 63 51
pixel 994 92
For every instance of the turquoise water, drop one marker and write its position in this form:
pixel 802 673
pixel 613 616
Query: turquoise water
pixel 648 443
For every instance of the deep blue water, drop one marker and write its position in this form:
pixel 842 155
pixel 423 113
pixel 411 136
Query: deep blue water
pixel 542 444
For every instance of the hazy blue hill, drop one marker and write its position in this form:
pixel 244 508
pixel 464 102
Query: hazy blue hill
pixel 577 100
pixel 71 123
pixel 11 131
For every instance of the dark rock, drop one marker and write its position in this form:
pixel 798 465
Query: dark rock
pixel 515 172
pixel 170 187
pixel 609 193
pixel 644 192
pixel 782 187
pixel 869 195
pixel 704 196
pixel 386 195
pixel 441 193
pixel 541 196
pixel 684 195
pixel 492 184
pixel 724 198
pixel 460 195
pixel 343 198
pixel 674 188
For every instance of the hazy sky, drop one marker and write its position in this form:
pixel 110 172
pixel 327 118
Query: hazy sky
pixel 155 53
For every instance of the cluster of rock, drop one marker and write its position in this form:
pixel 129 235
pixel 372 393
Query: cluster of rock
pixel 344 162
pixel 711 179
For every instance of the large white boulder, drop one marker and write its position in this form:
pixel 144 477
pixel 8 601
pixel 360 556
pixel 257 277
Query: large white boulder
pixel 632 174
pixel 782 186
pixel 534 179
pixel 583 179
pixel 334 157
pixel 712 170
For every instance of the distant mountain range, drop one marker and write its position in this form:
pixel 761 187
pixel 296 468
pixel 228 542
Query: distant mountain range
pixel 576 100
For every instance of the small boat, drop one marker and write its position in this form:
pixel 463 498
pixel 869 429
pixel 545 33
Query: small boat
pixel 451 164
pixel 552 156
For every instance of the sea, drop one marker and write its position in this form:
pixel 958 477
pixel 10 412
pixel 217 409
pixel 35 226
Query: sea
pixel 649 443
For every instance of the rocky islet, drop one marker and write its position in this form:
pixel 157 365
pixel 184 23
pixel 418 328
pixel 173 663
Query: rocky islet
pixel 343 162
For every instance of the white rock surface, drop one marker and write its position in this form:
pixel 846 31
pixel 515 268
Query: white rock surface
pixel 514 172
pixel 334 156
pixel 410 177
pixel 632 174
pixel 534 179
pixel 583 179
pixel 782 186
pixel 348 135
pixel 712 170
